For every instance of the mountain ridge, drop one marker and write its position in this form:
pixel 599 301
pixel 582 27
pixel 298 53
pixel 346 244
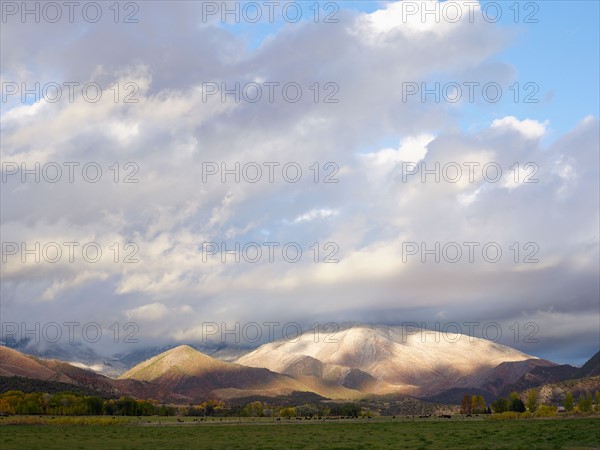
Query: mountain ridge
pixel 409 363
pixel 364 361
pixel 196 375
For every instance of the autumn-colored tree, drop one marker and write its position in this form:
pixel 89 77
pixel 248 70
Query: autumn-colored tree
pixel 532 401
pixel 6 406
pixel 466 405
pixel 568 402
pixel 480 404
pixel 546 411
pixel 288 412
pixel 253 409
pixel 584 404
pixel 473 403
pixel 212 407
pixel 477 404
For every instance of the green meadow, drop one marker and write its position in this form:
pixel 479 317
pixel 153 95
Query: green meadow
pixel 83 433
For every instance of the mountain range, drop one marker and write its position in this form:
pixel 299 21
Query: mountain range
pixel 363 360
pixel 384 359
pixel 80 355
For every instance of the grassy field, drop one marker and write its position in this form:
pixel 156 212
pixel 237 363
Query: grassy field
pixel 482 434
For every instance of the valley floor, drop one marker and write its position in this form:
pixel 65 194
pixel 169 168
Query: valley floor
pixel 558 433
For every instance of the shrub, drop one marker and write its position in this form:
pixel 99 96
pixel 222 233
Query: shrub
pixel 546 411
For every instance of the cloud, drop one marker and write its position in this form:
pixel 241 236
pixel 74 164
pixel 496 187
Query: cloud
pixel 315 214
pixel 379 164
pixel 152 311
pixel 547 210
pixel 531 129
pixel 414 18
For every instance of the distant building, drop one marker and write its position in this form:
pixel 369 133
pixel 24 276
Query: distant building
pixel 561 409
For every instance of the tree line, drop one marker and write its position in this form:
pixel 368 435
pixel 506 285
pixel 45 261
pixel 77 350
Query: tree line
pixel 475 404
pixel 71 404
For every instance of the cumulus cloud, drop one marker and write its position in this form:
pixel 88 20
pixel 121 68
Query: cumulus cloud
pixel 531 129
pixel 414 18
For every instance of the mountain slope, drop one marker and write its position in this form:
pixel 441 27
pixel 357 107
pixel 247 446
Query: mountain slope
pixel 74 353
pixel 177 362
pixel 500 378
pixel 541 375
pixel 79 355
pixel 591 368
pixel 545 375
pixel 14 363
pixel 554 393
pixel 195 375
pixel 421 363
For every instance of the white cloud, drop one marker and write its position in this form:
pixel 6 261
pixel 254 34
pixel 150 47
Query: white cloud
pixel 315 214
pixel 529 128
pixel 383 162
pixel 151 311
pixel 413 18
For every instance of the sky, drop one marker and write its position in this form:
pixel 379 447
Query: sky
pixel 373 166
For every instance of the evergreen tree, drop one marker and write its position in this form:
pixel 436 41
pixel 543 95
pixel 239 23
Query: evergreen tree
pixel 500 405
pixel 518 406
